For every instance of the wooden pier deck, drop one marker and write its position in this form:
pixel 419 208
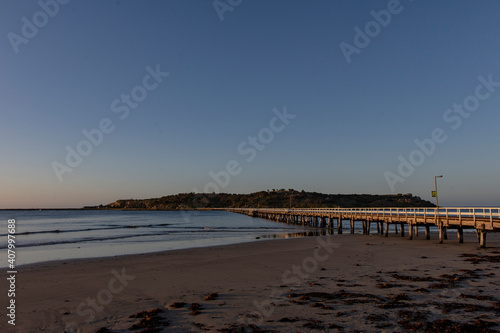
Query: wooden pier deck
pixel 483 220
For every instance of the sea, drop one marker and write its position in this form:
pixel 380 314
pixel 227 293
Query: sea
pixel 47 235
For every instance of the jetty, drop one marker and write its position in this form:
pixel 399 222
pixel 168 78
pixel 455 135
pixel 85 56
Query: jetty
pixel 483 220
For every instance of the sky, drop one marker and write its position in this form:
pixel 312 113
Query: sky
pixel 107 100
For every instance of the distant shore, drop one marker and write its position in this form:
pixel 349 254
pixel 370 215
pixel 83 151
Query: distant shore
pixel 275 198
pixel 354 282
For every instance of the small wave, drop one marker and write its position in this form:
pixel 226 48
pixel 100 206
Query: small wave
pixel 191 231
pixel 58 231
pixel 84 240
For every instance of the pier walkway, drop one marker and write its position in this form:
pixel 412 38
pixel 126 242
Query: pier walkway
pixel 483 220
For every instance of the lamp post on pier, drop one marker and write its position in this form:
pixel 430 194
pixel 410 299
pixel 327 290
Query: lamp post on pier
pixel 442 231
pixel 436 190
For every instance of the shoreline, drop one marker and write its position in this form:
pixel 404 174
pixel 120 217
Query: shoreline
pixel 306 232
pixel 126 256
pixel 253 281
pixel 302 233
pixel 316 232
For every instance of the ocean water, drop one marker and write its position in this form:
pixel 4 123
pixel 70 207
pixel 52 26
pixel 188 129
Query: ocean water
pixel 68 234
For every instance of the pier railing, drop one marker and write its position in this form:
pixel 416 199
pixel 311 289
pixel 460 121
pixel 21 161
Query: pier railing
pixel 443 212
pixel 483 219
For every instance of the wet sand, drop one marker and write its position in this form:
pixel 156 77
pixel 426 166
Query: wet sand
pixel 334 283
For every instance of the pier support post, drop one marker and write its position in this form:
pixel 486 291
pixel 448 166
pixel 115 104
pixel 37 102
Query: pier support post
pixel 427 232
pixel 482 237
pixel 339 225
pixel 416 230
pixel 396 228
pixel 402 230
pixel 460 235
pixel 410 232
pixel 441 233
pixel 368 224
pixel 445 232
pixel 378 228
pixel 386 233
pixel 482 242
pixel 352 225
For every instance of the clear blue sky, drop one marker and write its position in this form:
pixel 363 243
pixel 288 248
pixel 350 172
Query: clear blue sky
pixel 353 119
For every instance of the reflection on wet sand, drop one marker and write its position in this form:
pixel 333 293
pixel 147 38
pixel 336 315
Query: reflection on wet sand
pixel 318 232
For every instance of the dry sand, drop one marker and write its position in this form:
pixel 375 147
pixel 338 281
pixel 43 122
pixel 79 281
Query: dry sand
pixel 343 283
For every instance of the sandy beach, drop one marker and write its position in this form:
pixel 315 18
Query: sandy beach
pixel 343 283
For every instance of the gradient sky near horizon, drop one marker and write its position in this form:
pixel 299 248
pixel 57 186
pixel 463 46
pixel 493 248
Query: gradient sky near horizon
pixel 353 120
